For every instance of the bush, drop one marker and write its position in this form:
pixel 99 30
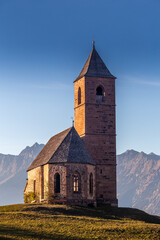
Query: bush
pixel 51 197
pixel 30 197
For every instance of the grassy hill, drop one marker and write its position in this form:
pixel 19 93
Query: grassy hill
pixel 65 222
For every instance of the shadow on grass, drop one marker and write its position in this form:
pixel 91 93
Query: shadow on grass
pixel 6 238
pixel 104 212
pixel 72 211
pixel 17 233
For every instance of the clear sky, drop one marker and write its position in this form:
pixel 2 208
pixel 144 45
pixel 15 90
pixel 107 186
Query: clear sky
pixel 43 47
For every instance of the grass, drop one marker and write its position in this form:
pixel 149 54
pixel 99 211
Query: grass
pixel 29 221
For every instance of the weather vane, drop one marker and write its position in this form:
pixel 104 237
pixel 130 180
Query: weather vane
pixel 93 43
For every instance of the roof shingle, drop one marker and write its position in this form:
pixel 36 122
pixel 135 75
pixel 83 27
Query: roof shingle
pixel 64 147
pixel 95 67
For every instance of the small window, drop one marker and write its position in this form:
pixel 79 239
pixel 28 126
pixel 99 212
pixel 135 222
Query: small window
pixel 101 195
pixel 34 186
pixel 42 182
pixel 57 183
pixel 76 183
pixel 79 95
pixel 91 184
pixel 100 94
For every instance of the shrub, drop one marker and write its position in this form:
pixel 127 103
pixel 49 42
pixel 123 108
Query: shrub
pixel 30 197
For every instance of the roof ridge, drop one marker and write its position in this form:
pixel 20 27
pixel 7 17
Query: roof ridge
pixel 34 163
pixel 81 144
pixel 90 56
pixel 60 132
pixel 69 148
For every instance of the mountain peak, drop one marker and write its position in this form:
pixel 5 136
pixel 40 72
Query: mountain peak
pixel 36 148
pixel 152 153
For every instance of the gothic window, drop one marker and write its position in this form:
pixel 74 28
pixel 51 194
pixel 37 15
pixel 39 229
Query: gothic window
pixel 57 183
pixel 91 184
pixel 79 95
pixel 76 183
pixel 100 94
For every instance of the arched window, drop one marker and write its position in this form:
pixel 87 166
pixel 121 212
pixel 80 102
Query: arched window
pixel 76 183
pixel 99 94
pixel 91 183
pixel 79 95
pixel 57 183
pixel 99 91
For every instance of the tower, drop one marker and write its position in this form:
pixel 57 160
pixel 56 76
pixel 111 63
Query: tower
pixel 94 104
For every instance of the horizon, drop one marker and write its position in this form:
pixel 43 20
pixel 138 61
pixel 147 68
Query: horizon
pixel 44 46
pixel 149 153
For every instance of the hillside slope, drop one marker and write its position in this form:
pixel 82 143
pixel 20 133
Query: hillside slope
pixel 66 222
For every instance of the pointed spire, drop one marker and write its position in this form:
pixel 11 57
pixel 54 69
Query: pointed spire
pixel 93 44
pixel 94 66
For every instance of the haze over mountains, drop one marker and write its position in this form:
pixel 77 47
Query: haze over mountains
pixel 138 177
pixel 13 174
pixel 139 181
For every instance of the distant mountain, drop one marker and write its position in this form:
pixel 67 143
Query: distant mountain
pixel 139 181
pixel 13 174
pixel 138 177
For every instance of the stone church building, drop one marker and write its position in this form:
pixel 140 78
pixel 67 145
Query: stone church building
pixel 78 166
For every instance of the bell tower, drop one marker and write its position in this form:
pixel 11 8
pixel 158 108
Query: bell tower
pixel 94 104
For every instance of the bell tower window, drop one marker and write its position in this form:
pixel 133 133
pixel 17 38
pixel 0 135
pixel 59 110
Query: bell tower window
pixel 100 94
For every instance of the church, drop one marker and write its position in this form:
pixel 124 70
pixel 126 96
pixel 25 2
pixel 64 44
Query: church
pixel 78 165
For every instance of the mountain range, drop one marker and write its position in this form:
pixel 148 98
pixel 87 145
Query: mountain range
pixel 13 174
pixel 138 178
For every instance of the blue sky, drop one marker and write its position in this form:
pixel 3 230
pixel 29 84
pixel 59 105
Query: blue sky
pixel 43 47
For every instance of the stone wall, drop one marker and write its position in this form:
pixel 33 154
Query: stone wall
pixel 46 181
pixel 34 175
pixel 67 171
pixel 91 169
pixel 82 197
pixel 61 169
pixel 38 177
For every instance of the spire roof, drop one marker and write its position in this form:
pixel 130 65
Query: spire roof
pixel 65 147
pixel 95 67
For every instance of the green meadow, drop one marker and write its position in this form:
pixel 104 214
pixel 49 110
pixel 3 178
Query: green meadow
pixel 37 221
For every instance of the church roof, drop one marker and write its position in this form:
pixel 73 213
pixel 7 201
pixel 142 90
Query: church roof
pixel 95 67
pixel 65 147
